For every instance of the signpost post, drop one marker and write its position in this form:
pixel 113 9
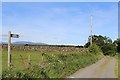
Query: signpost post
pixel 9 46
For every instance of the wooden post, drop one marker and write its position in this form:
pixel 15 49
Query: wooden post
pixel 42 57
pixel 9 47
pixel 91 30
pixel 29 60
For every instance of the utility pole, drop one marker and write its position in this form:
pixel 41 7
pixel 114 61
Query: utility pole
pixel 9 46
pixel 85 43
pixel 91 30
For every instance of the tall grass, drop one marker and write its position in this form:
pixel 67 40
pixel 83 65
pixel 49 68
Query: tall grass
pixel 47 64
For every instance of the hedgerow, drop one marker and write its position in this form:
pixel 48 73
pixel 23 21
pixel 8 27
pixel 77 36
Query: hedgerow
pixel 57 65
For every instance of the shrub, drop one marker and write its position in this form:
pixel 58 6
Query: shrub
pixel 109 49
pixel 94 49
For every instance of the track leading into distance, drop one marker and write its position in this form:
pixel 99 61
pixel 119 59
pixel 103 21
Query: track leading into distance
pixel 104 68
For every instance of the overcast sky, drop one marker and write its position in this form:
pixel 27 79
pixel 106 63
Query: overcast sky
pixel 59 23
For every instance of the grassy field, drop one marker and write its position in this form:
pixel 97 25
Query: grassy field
pixel 20 58
pixel 38 64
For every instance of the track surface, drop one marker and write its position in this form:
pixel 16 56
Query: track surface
pixel 104 68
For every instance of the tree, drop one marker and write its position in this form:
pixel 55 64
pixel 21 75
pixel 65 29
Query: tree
pixel 104 43
pixel 109 49
pixel 117 43
pixel 99 40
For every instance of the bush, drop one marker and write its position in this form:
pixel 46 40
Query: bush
pixel 94 49
pixel 109 49
pixel 32 72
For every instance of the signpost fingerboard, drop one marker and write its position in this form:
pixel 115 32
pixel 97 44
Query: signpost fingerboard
pixel 14 36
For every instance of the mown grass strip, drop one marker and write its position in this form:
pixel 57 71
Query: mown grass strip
pixel 116 66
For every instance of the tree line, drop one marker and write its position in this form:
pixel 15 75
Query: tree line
pixel 106 44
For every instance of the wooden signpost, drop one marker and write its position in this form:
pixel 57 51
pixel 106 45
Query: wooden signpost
pixel 9 46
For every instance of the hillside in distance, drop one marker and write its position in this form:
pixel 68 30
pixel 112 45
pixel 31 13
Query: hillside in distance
pixel 25 42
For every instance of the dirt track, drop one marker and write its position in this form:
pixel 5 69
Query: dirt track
pixel 102 69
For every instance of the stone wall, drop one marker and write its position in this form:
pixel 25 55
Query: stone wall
pixel 45 48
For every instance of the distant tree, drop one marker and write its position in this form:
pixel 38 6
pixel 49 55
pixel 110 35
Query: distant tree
pixel 99 40
pixel 78 46
pixel 109 49
pixel 117 43
pixel 104 43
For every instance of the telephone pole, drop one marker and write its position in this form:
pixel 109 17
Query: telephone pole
pixel 91 30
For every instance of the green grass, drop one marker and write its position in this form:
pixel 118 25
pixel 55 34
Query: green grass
pixel 0 63
pixel 53 65
pixel 118 66
pixel 116 69
pixel 20 58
